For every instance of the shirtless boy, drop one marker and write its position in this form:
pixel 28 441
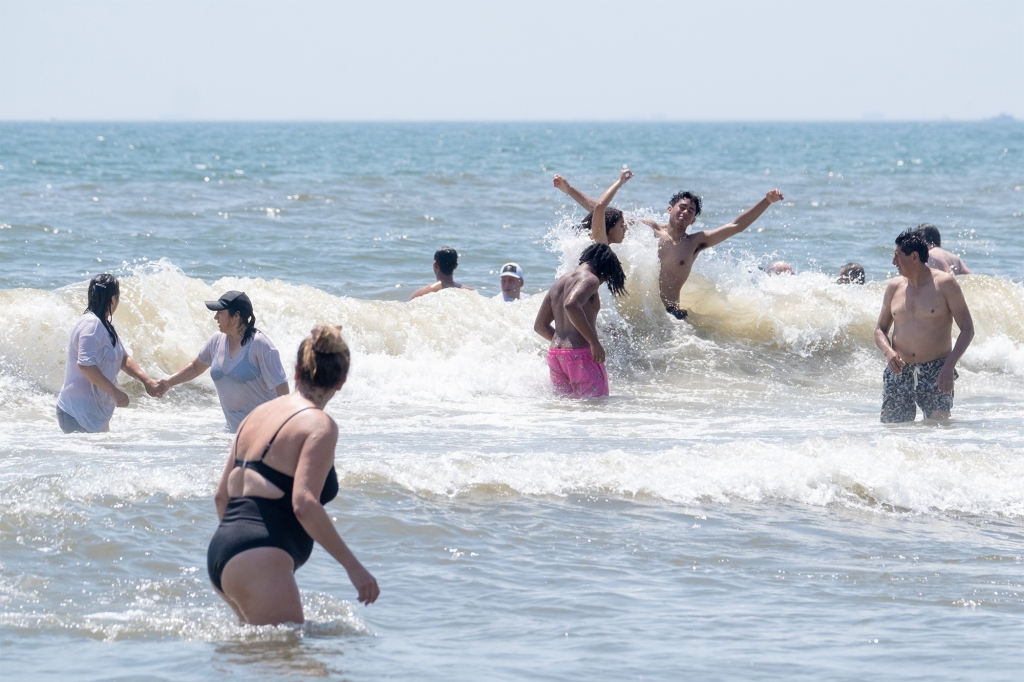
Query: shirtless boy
pixel 938 257
pixel 921 304
pixel 677 250
pixel 576 357
pixel 446 259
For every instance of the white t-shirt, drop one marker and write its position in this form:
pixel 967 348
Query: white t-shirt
pixel 501 295
pixel 90 345
pixel 245 381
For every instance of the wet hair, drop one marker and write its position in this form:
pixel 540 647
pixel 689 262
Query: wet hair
pixel 930 234
pixel 694 199
pixel 612 216
pixel 912 241
pixel 605 264
pixel 103 288
pixel 447 260
pixel 243 308
pixel 323 358
pixel 851 273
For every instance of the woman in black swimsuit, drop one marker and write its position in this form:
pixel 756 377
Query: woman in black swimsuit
pixel 270 498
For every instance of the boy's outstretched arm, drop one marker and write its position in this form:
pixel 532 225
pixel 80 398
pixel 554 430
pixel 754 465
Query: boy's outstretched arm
pixel 598 230
pixel 742 222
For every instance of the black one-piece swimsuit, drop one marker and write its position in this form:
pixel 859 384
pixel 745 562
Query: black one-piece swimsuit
pixel 251 522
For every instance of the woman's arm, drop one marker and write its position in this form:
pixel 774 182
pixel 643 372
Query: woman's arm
pixel 598 230
pixel 221 497
pixel 187 373
pixel 132 369
pixel 315 461
pixel 282 389
pixel 93 374
pixel 579 197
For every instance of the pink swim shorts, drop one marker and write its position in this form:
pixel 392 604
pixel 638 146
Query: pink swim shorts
pixel 574 373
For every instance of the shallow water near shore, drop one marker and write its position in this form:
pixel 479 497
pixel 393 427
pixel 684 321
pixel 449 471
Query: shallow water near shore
pixel 734 508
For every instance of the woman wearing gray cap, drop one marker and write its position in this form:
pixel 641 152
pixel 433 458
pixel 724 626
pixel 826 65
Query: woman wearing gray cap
pixel 244 364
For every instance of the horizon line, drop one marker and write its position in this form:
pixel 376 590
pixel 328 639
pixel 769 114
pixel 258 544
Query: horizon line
pixel 867 119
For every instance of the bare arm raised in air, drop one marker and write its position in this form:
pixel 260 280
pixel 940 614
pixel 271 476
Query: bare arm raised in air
pixel 742 222
pixel 579 197
pixel 598 230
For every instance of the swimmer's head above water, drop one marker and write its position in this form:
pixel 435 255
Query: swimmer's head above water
pixel 446 259
pixel 683 209
pixel 911 242
pixel 614 225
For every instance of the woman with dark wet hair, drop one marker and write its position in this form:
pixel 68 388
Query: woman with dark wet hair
pixel 271 496
pixel 95 356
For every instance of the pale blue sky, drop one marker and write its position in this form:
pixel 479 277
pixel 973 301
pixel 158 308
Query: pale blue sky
pixel 511 60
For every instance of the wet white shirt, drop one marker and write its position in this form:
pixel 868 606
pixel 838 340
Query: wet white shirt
pixel 90 345
pixel 245 381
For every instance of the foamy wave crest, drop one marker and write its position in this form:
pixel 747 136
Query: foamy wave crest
pixel 900 473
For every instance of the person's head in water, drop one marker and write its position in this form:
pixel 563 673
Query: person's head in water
pixel 511 280
pixel 104 294
pixel 683 208
pixel 930 233
pixel 322 361
pixel 605 264
pixel 234 314
pixel 779 267
pixel 614 225
pixel 446 259
pixel 851 273
pixel 909 243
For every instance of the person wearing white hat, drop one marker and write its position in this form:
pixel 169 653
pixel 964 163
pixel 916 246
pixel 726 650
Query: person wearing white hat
pixel 511 283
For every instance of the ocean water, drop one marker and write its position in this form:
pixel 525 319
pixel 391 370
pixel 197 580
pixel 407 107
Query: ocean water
pixel 733 510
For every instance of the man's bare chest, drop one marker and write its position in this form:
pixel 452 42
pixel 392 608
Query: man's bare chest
pixel 921 304
pixel 679 254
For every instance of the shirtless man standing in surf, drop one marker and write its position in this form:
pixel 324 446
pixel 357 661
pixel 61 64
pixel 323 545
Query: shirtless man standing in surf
pixel 677 250
pixel 922 304
pixel 576 356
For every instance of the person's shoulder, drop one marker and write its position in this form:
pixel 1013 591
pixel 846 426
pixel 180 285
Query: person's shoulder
pixel 944 280
pixel 262 340
pixel 424 290
pixel 463 286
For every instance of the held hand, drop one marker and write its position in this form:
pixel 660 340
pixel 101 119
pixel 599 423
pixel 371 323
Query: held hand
pixel 364 583
pixel 120 398
pixel 773 196
pixel 597 351
pixel 896 363
pixel 153 388
pixel 561 183
pixel 624 175
pixel 944 382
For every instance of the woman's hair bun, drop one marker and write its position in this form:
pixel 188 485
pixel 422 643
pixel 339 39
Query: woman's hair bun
pixel 327 339
pixel 323 358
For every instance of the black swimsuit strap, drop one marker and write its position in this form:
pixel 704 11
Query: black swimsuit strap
pixel 274 437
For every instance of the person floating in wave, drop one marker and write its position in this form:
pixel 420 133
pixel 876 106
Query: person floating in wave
pixel 246 366
pixel 446 259
pixel 920 305
pixel 851 273
pixel 938 257
pixel 576 357
pixel 95 357
pixel 511 283
pixel 678 250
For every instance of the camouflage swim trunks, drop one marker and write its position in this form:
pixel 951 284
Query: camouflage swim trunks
pixel 915 385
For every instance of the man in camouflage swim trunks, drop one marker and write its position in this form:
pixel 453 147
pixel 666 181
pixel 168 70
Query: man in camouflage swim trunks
pixel 920 305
